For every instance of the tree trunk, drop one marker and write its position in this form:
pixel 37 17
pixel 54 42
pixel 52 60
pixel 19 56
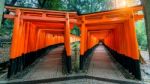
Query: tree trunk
pixel 146 4
pixel 2 3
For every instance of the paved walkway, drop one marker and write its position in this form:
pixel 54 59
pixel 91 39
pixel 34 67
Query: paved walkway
pixel 49 67
pixel 102 66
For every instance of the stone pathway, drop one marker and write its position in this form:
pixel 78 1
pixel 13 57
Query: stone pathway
pixel 49 67
pixel 102 66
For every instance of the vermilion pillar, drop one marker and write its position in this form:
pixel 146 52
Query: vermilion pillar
pixel 13 49
pixel 134 47
pixel 82 42
pixel 67 43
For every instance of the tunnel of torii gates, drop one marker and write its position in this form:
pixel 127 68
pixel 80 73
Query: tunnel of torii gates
pixel 36 30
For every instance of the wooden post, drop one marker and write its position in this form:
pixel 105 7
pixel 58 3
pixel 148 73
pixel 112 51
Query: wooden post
pixel 134 43
pixel 67 35
pixel 82 36
pixel 134 48
pixel 13 50
pixel 85 40
pixel 67 43
pixel 88 39
pixel 19 39
pixel 27 29
pixel 127 43
pixel 15 34
pixel 82 43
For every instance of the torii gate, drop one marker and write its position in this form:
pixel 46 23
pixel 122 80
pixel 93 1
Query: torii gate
pixel 35 30
pixel 116 29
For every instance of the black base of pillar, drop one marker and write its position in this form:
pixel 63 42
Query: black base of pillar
pixel 22 62
pixel 10 68
pixel 137 70
pixel 82 58
pixel 68 64
pixel 132 65
pixel 85 59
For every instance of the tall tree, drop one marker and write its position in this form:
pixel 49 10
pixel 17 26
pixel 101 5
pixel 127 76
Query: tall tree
pixel 81 6
pixel 2 2
pixel 147 20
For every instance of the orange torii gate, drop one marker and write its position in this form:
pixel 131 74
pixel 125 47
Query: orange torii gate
pixel 116 29
pixel 34 31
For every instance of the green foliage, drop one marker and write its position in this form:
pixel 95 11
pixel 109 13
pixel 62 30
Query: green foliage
pixel 51 4
pixel 81 6
pixel 6 29
pixel 141 34
pixel 76 45
pixel 88 6
pixel 75 31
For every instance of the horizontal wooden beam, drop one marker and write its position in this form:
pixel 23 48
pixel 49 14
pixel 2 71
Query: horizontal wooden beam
pixel 102 27
pixel 9 16
pixel 108 20
pixel 35 9
pixel 138 17
pixel 99 32
pixel 54 32
pixel 57 30
pixel 121 10
pixel 34 18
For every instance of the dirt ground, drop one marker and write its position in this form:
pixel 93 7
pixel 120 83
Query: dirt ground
pixel 145 68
